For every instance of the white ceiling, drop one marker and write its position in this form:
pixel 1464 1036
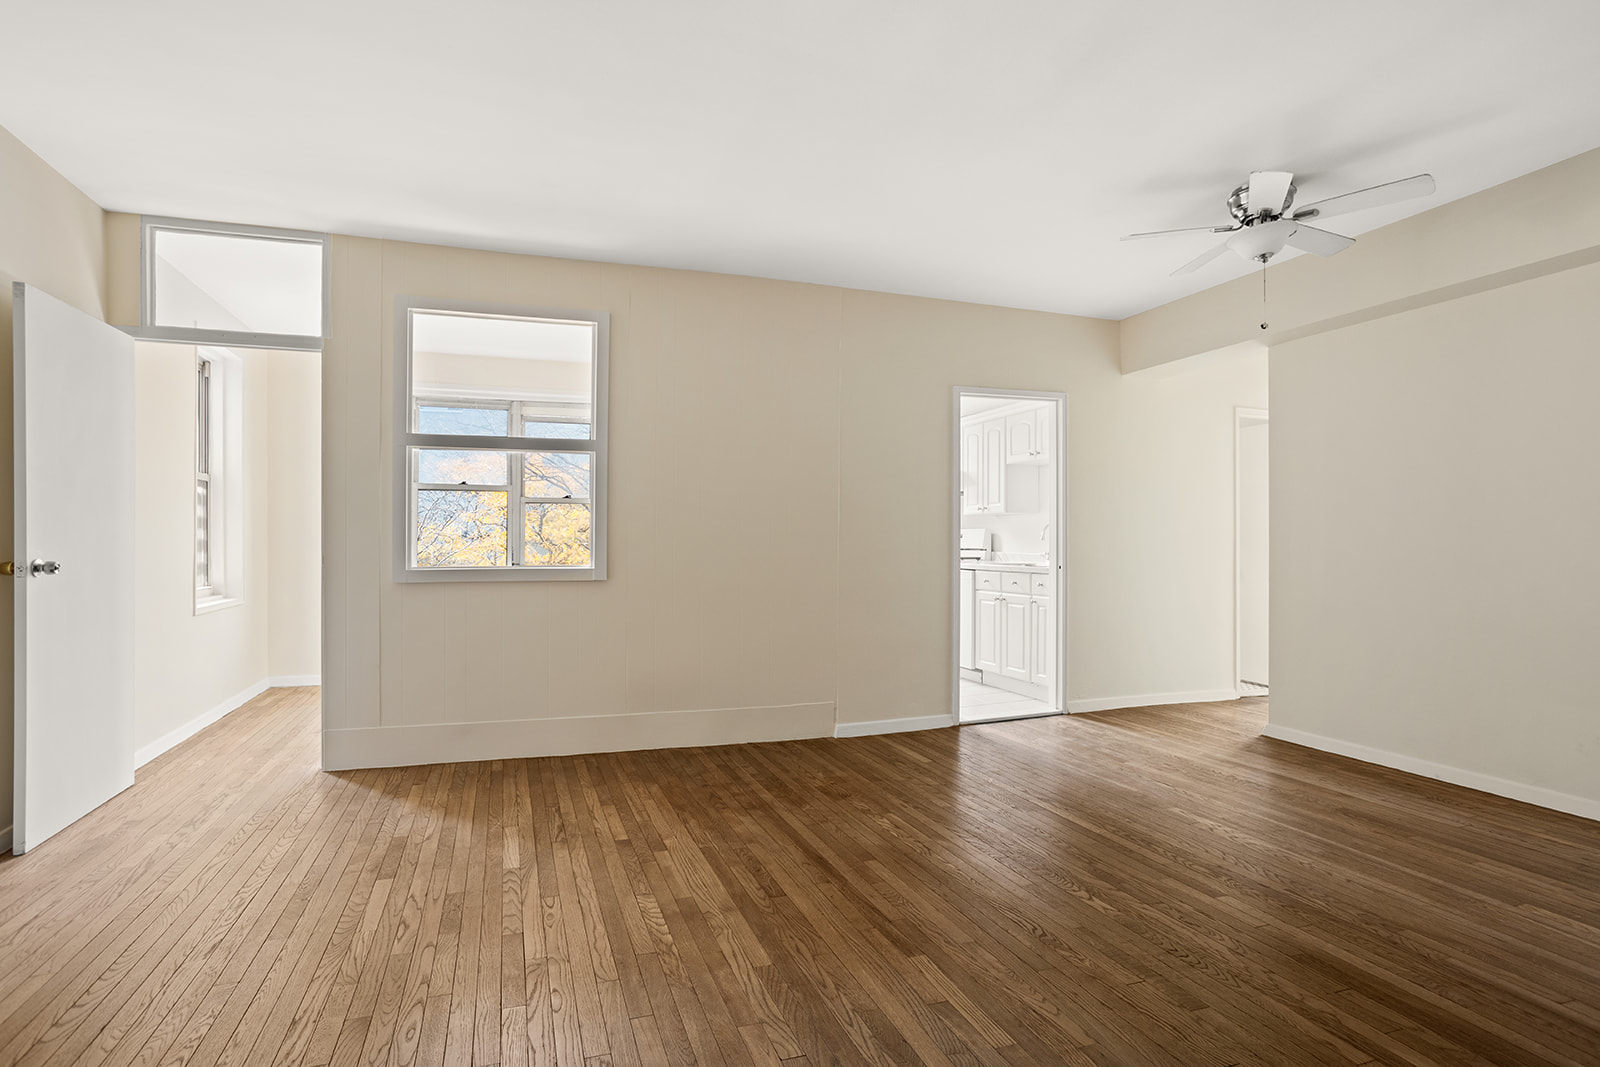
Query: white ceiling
pixel 991 152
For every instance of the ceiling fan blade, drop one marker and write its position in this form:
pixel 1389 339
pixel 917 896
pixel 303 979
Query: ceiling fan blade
pixel 1377 196
pixel 1190 229
pixel 1269 191
pixel 1201 260
pixel 1318 242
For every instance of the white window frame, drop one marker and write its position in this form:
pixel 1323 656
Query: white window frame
pixel 225 480
pixel 147 330
pixel 406 441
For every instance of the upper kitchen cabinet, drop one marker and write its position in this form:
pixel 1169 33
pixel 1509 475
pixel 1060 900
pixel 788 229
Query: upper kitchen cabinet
pixel 1027 436
pixel 983 467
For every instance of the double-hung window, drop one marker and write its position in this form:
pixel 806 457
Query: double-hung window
pixel 501 444
pixel 218 480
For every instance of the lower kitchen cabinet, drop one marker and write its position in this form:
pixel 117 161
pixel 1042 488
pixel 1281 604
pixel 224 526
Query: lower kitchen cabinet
pixel 1012 630
pixel 1015 647
pixel 989 629
pixel 1039 640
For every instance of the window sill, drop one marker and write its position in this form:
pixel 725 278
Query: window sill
pixel 501 574
pixel 216 603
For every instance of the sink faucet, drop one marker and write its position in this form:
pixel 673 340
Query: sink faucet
pixel 1044 536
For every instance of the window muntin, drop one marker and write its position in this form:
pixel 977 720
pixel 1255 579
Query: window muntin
pixel 502 443
pixel 240 286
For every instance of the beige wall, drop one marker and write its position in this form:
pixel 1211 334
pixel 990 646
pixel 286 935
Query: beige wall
pixel 780 517
pixel 51 236
pixel 1255 552
pixel 1149 502
pixel 1432 511
pixel 1435 512
pixel 294 520
pixel 188 665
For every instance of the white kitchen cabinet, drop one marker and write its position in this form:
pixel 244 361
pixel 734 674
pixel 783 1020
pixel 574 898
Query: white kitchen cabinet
pixel 1015 645
pixel 994 466
pixel 1039 643
pixel 968 654
pixel 1027 436
pixel 983 467
pixel 971 467
pixel 1012 626
pixel 989 627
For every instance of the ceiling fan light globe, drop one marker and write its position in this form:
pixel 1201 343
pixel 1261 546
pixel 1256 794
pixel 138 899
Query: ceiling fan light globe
pixel 1263 241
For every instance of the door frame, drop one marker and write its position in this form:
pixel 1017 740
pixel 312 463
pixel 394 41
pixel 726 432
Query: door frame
pixel 1241 418
pixel 1057 544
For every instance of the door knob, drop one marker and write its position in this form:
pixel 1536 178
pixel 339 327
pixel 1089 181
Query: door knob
pixel 44 566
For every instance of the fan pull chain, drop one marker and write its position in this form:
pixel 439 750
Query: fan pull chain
pixel 1263 294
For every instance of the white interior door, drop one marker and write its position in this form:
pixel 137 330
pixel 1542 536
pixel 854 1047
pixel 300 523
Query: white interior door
pixel 73 400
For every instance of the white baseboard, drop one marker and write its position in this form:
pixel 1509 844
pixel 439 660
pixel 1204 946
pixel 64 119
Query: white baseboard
pixel 1150 700
pixel 407 746
pixel 5 839
pixel 284 681
pixel 1586 807
pixel 891 726
pixel 195 725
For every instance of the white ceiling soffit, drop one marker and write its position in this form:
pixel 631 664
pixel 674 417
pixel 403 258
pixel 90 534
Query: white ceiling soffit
pixel 987 152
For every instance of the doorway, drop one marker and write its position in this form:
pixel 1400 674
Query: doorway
pixel 1008 554
pixel 1251 551
pixel 227 526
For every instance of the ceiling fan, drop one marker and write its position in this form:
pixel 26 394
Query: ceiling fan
pixel 1263 224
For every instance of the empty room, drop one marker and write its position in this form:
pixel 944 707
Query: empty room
pixel 648 535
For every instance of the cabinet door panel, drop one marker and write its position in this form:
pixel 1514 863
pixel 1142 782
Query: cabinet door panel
pixel 968 653
pixel 1015 643
pixel 971 468
pixel 1040 644
pixel 1020 430
pixel 994 466
pixel 990 624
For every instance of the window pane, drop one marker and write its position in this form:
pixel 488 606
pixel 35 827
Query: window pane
pixel 556 535
pixel 535 428
pixel 557 474
pixel 202 534
pixel 225 282
pixel 461 529
pixel 461 467
pixel 490 422
pixel 497 357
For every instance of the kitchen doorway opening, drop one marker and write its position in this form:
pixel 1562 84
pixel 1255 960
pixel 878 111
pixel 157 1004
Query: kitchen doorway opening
pixel 1251 551
pixel 1008 554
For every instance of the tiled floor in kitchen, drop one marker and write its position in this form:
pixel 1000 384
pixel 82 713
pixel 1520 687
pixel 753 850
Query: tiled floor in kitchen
pixel 985 703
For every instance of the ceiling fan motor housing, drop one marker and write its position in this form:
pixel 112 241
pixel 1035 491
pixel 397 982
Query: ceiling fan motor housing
pixel 1239 205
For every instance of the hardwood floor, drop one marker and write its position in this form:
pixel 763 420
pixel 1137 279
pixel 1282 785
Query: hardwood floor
pixel 1148 887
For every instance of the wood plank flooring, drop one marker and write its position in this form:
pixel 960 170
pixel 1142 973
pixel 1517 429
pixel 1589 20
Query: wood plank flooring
pixel 1149 887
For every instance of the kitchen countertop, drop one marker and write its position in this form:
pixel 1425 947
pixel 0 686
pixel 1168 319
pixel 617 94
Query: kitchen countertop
pixel 985 565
